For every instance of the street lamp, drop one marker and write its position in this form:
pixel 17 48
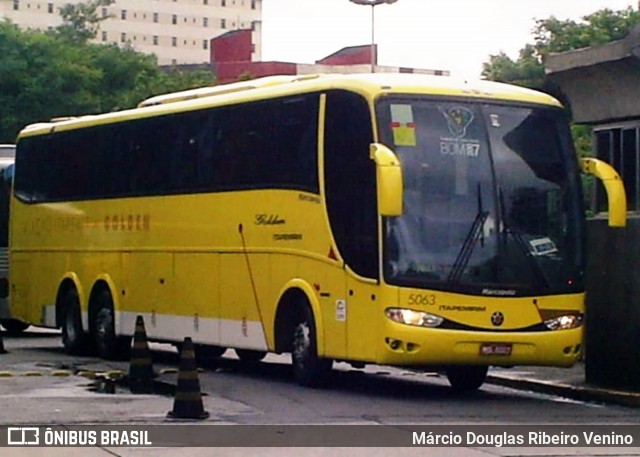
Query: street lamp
pixel 373 4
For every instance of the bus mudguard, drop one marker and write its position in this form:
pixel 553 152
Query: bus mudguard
pixel 312 299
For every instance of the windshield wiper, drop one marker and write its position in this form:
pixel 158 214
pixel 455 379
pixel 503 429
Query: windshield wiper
pixel 506 230
pixel 476 232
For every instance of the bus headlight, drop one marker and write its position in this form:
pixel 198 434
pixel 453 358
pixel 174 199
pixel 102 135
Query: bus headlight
pixel 411 317
pixel 566 322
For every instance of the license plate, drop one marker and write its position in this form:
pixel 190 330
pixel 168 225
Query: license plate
pixel 495 349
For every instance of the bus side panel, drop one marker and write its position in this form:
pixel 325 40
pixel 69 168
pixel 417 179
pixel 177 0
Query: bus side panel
pixel 240 324
pixel 34 287
pixel 335 311
pixel 197 287
pixel 20 289
pixel 364 319
pixel 149 291
pixel 46 270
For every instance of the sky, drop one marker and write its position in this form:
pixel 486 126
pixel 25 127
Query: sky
pixel 454 35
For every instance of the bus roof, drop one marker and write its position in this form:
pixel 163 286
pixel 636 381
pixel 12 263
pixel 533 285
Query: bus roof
pixel 7 151
pixel 371 85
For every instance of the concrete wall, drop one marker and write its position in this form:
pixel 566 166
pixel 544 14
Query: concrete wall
pixel 613 305
pixel 602 81
pixel 602 92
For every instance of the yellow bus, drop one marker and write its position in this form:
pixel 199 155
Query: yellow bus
pixel 394 219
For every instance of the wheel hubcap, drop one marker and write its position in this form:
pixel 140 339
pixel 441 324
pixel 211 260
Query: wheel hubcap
pixel 104 324
pixel 70 329
pixel 301 343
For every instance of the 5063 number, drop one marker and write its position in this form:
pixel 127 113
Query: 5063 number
pixel 422 299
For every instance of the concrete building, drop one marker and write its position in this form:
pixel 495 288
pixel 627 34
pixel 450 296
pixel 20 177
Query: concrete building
pixel 232 58
pixel 602 84
pixel 176 31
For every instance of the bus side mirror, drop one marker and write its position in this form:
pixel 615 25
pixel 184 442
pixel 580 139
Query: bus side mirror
pixel 389 176
pixel 616 196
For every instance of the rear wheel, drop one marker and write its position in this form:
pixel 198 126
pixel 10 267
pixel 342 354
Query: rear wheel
pixel 466 378
pixel 74 338
pixel 249 355
pixel 14 327
pixel 108 345
pixel 308 368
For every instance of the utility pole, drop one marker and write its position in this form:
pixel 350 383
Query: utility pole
pixel 373 4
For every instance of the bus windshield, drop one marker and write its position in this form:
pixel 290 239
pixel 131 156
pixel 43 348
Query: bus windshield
pixel 491 199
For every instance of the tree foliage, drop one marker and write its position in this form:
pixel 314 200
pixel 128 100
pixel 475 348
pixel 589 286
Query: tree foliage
pixel 603 26
pixel 81 21
pixel 525 71
pixel 51 74
pixel 554 35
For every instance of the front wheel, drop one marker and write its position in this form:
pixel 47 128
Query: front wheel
pixel 466 378
pixel 308 368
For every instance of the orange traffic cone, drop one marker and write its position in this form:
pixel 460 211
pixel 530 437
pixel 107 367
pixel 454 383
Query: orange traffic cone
pixel 140 368
pixel 188 399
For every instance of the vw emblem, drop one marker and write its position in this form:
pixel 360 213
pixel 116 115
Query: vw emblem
pixel 497 318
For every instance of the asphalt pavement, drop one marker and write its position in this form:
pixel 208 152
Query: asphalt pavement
pixel 569 383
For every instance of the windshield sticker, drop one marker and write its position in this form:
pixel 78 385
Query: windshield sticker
pixel 458 119
pixel 403 125
pixel 495 120
pixel 543 246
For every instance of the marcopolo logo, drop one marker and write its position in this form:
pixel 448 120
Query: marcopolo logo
pixel 497 318
pixel 23 436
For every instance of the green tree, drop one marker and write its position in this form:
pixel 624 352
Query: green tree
pixel 554 35
pixel 46 75
pixel 40 79
pixel 603 26
pixel 81 21
pixel 526 71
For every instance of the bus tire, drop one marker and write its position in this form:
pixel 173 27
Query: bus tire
pixel 466 378
pixel 108 345
pixel 309 369
pixel 249 355
pixel 74 338
pixel 14 326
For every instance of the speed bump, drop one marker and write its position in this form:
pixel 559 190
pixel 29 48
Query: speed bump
pixel 60 373
pixel 31 373
pixel 87 374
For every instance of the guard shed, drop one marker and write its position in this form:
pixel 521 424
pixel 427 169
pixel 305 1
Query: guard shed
pixel 602 85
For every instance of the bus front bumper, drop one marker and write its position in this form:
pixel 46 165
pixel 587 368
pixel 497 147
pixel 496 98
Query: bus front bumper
pixel 408 346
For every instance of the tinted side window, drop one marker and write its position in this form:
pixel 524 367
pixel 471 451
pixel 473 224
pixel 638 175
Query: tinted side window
pixel 264 144
pixel 5 192
pixel 34 175
pixel 269 144
pixel 350 177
